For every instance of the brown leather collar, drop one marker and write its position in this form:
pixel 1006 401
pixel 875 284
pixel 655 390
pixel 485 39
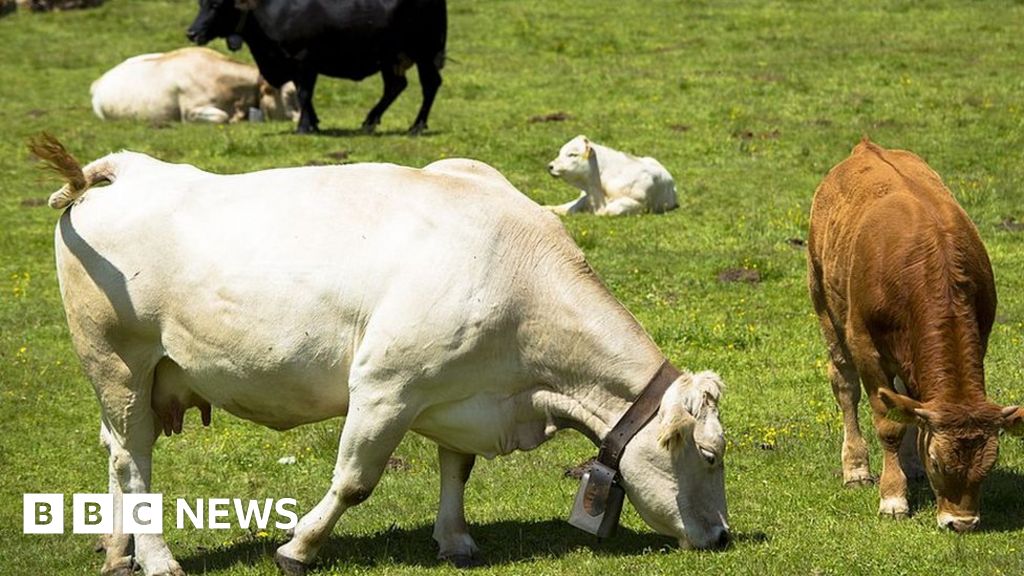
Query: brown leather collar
pixel 639 413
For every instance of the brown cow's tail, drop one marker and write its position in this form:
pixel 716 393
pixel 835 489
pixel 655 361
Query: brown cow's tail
pixel 79 180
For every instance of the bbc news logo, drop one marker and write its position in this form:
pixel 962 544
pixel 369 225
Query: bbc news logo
pixel 144 513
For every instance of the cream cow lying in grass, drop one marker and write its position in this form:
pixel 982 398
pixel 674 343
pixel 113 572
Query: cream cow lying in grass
pixel 612 183
pixel 190 85
pixel 439 300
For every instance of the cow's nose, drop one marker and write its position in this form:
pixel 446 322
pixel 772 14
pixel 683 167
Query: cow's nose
pixel 962 525
pixel 723 542
pixel 191 35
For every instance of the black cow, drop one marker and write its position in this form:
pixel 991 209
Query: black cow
pixel 298 39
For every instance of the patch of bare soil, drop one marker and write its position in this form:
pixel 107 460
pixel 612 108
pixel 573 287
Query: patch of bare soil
pixel 553 117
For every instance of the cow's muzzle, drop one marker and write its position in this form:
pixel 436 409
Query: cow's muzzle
pixel 195 37
pixel 960 525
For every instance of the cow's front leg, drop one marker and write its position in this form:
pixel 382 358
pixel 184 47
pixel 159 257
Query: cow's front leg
pixel 892 485
pixel 450 531
pixel 372 431
pixel 846 389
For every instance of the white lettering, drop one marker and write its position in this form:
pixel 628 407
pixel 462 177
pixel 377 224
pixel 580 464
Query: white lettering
pixel 253 510
pixel 217 508
pixel 282 511
pixel 194 516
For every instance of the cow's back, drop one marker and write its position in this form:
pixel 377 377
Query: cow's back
pixel 281 277
pixel 355 39
pixel 886 235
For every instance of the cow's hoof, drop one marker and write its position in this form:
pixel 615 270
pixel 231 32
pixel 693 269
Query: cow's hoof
pixel 417 129
pixel 306 129
pixel 858 481
pixel 123 566
pixel 369 127
pixel 290 566
pixel 895 507
pixel 464 561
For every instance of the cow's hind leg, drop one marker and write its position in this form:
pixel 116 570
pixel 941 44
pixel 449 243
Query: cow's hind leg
pixel 373 428
pixel 118 546
pixel 430 82
pixel 131 459
pixel 394 84
pixel 309 122
pixel 450 531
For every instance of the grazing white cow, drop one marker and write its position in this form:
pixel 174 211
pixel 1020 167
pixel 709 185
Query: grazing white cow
pixel 190 85
pixel 612 183
pixel 439 300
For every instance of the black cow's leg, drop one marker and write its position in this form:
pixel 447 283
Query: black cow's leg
pixel 430 81
pixel 308 121
pixel 394 84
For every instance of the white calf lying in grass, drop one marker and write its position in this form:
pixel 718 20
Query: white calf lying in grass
pixel 612 183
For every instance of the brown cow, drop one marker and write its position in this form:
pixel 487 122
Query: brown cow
pixel 904 293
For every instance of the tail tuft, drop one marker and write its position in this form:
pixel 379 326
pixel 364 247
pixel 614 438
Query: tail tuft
pixel 48 149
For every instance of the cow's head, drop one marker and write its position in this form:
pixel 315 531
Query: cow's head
pixel 219 19
pixel 672 470
pixel 573 163
pixel 958 445
pixel 277 104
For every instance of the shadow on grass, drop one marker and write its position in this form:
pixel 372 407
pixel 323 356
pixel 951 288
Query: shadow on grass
pixel 358 133
pixel 500 543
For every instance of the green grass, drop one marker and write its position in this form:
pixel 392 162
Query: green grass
pixel 747 103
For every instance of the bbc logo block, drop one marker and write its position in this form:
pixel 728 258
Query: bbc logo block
pixel 92 513
pixel 43 513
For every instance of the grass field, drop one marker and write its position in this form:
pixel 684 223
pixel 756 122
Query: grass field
pixel 748 104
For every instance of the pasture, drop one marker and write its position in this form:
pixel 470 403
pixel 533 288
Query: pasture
pixel 748 104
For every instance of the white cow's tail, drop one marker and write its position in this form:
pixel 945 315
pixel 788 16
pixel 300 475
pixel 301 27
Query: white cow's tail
pixel 57 158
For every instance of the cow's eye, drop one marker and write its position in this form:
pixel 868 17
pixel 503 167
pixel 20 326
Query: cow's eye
pixel 709 456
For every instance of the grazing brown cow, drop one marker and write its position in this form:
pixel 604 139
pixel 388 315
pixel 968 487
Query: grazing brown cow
pixel 904 293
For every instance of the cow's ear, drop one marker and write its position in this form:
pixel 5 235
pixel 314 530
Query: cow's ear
pixel 586 148
pixel 903 409
pixel 676 421
pixel 1013 420
pixel 676 424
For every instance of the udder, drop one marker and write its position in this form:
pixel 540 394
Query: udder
pixel 171 399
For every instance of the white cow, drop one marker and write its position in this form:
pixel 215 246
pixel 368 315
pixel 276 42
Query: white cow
pixel 439 300
pixel 191 85
pixel 612 183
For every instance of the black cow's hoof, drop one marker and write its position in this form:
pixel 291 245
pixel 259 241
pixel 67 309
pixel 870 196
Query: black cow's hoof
pixel 290 566
pixel 369 127
pixel 417 129
pixel 306 129
pixel 464 561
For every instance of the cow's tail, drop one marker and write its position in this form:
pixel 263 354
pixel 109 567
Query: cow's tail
pixel 79 180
